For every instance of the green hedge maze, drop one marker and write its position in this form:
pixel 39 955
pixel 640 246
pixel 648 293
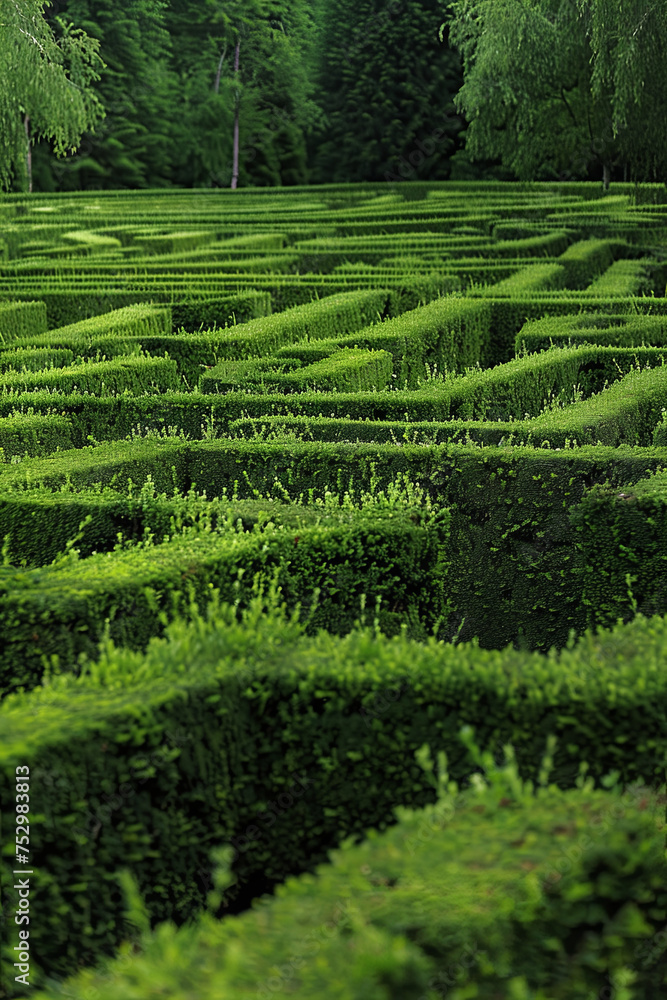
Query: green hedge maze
pixel 333 596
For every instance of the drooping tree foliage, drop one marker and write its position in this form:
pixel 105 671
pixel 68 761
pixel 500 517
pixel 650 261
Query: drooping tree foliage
pixel 132 146
pixel 628 44
pixel 554 87
pixel 387 85
pixel 45 87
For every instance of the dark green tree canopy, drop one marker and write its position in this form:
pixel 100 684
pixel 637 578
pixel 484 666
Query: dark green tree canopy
pixel 387 87
pixel 213 92
pixel 171 94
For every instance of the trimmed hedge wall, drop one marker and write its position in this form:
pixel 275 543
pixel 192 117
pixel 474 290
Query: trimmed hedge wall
pixel 37 524
pixel 91 296
pixel 395 559
pixel 33 434
pixel 347 370
pixel 126 373
pixel 628 278
pixel 610 330
pixel 221 311
pixel 625 413
pixel 630 411
pixel 509 316
pixel 336 314
pixel 283 746
pixel 529 280
pixel 623 534
pixel 381 918
pixel 587 259
pixel 35 359
pixel 509 391
pixel 191 308
pixel 173 242
pixel 449 333
pixel 21 319
pixel 516 566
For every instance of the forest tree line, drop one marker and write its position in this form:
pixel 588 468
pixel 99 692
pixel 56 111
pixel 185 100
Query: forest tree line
pixel 213 93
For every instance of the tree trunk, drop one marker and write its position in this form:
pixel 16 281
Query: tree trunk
pixel 235 162
pixel 26 124
pixel 216 90
pixel 606 175
pixel 216 85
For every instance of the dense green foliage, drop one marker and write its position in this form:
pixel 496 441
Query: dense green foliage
pixel 387 87
pixel 324 91
pixel 131 147
pixel 553 86
pixel 364 918
pixel 44 86
pixel 430 425
pixel 171 91
pixel 208 94
pixel 279 745
pixel 273 90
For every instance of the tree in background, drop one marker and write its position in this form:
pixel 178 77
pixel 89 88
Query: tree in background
pixel 555 87
pixel 387 86
pixel 267 102
pixel 628 45
pixel 131 148
pixel 172 97
pixel 202 121
pixel 44 87
pixel 283 85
